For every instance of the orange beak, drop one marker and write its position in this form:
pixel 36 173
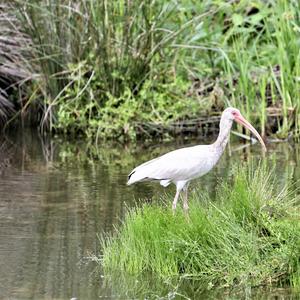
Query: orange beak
pixel 241 120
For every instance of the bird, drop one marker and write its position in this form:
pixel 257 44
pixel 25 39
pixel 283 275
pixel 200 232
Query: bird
pixel 183 165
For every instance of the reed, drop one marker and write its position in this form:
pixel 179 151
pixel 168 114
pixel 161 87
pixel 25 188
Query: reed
pixel 249 236
pixel 117 41
pixel 263 54
pixel 14 55
pixel 91 60
pixel 59 38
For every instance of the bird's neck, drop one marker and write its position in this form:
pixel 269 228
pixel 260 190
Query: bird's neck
pixel 224 133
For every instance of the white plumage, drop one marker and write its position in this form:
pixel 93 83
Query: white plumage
pixel 182 165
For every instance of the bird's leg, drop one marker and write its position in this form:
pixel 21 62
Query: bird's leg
pixel 175 200
pixel 185 198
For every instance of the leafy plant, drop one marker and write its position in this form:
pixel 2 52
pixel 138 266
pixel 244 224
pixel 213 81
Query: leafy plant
pixel 81 109
pixel 218 52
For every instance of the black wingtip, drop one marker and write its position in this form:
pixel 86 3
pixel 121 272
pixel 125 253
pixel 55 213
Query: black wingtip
pixel 131 174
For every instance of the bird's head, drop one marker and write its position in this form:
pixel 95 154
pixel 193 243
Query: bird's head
pixel 233 114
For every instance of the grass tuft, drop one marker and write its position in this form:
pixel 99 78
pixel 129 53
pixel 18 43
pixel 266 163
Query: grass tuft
pixel 249 236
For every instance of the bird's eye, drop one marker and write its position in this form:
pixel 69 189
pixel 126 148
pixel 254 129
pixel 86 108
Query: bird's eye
pixel 234 113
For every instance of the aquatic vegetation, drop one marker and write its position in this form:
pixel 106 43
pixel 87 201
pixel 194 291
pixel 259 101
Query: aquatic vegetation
pixel 248 236
pixel 108 69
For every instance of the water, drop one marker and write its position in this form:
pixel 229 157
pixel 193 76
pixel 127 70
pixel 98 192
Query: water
pixel 56 198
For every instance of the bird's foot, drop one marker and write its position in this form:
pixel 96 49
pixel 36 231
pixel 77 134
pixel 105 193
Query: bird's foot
pixel 185 207
pixel 187 215
pixel 186 211
pixel 174 209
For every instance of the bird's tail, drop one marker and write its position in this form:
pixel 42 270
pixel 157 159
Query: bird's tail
pixel 134 177
pixel 142 172
pixel 130 181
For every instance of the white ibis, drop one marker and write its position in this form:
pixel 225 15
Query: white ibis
pixel 182 165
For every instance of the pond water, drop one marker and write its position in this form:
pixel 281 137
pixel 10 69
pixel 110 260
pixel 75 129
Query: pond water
pixel 57 197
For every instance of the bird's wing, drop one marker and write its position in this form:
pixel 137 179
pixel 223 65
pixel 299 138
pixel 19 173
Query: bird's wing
pixel 181 164
pixel 140 167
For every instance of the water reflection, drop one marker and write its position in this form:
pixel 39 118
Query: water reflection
pixel 182 288
pixel 57 196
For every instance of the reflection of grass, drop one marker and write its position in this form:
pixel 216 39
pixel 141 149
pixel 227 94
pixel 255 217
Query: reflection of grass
pixel 141 287
pixel 250 236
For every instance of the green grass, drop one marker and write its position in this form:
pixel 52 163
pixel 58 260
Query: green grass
pixel 248 236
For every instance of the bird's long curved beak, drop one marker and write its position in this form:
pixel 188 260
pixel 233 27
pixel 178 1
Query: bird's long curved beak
pixel 241 120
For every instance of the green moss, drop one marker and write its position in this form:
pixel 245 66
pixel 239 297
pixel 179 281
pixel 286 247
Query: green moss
pixel 249 236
